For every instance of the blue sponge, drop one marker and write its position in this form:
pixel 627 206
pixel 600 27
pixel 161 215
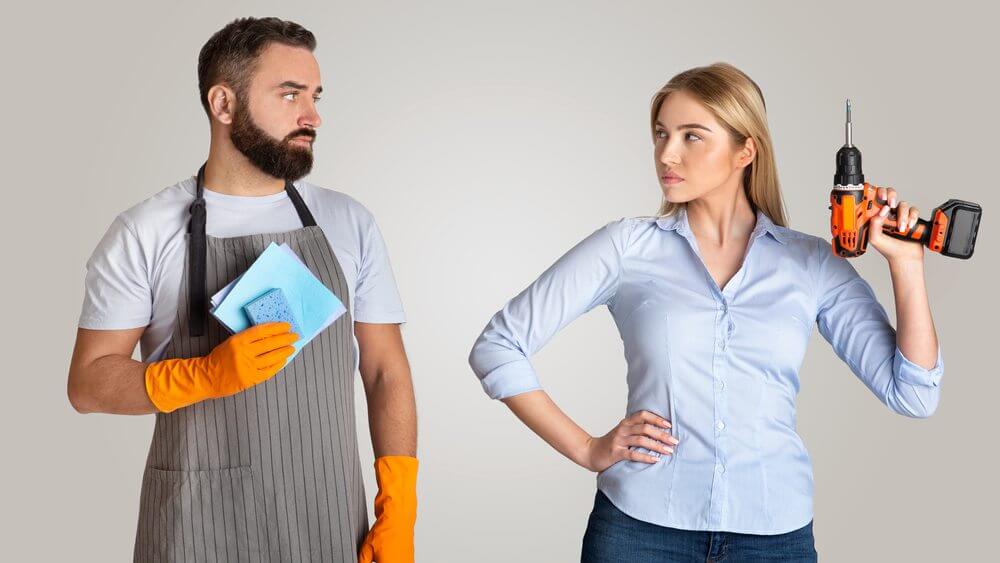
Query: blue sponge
pixel 271 307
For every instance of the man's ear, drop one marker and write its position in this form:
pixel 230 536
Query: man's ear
pixel 222 103
pixel 747 153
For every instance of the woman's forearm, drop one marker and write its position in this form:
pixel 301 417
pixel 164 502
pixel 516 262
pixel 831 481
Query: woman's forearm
pixel 915 334
pixel 539 413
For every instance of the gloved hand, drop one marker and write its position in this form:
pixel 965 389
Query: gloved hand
pixel 241 361
pixel 391 538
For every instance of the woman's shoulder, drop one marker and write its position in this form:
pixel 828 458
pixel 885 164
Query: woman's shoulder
pixel 811 249
pixel 625 231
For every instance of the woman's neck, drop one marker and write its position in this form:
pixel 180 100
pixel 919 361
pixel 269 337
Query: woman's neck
pixel 722 218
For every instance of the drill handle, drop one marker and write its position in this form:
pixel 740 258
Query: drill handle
pixel 920 232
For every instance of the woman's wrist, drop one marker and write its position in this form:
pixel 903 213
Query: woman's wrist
pixel 906 266
pixel 581 453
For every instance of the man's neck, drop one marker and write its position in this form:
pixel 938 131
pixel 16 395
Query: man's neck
pixel 229 172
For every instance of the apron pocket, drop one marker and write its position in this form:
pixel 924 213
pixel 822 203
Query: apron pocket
pixel 207 514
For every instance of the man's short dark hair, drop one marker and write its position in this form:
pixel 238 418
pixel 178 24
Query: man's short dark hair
pixel 230 55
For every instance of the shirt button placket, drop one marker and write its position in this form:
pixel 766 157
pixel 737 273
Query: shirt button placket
pixel 723 332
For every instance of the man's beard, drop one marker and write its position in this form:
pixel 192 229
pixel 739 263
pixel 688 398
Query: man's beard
pixel 276 158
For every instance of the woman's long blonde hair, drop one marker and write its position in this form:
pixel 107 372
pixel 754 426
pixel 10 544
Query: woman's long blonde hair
pixel 737 102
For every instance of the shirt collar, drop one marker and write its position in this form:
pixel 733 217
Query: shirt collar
pixel 679 222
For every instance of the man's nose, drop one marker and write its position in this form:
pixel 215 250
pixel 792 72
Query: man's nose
pixel 310 117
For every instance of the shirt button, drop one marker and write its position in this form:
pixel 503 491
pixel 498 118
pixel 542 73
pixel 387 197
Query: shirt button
pixel 720 425
pixel 719 468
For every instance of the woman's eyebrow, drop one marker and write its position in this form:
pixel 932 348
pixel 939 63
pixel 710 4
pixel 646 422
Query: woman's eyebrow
pixel 688 126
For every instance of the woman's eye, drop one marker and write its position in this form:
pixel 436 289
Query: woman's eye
pixel 693 137
pixel 660 134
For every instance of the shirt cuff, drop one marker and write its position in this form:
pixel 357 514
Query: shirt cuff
pixel 511 379
pixel 909 372
pixel 380 317
pixel 97 323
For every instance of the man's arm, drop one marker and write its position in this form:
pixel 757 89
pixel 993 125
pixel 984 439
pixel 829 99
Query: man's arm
pixel 103 377
pixel 385 372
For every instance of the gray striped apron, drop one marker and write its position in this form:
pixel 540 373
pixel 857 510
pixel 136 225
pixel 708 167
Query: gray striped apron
pixel 271 473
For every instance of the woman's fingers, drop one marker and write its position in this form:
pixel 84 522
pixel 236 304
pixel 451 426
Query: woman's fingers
pixel 647 417
pixel 643 429
pixel 638 456
pixel 654 432
pixel 650 444
pixel 914 216
pixel 880 195
pixel 902 216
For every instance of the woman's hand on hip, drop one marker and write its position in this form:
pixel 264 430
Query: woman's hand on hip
pixel 643 429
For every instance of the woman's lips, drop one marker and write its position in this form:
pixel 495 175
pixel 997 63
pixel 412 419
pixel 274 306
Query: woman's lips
pixel 670 179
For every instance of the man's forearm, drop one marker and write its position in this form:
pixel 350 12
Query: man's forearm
pixel 111 384
pixel 392 415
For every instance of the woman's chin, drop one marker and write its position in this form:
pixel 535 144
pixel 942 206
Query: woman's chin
pixel 673 195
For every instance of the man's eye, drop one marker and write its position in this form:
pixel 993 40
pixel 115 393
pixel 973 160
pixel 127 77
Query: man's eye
pixel 293 94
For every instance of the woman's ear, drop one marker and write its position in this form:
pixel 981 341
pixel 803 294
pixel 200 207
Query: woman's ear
pixel 221 102
pixel 746 154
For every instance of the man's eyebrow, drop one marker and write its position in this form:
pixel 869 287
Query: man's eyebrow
pixel 297 86
pixel 687 126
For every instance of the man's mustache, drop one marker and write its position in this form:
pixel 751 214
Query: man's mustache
pixel 301 133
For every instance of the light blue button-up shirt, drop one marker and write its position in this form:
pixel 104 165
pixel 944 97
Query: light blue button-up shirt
pixel 721 365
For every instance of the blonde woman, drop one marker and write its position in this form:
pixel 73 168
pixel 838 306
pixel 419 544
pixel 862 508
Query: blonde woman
pixel 715 300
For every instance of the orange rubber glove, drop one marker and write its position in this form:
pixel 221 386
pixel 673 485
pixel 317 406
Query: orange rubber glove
pixel 241 361
pixel 391 538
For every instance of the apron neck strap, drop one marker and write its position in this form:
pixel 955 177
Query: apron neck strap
pixel 198 251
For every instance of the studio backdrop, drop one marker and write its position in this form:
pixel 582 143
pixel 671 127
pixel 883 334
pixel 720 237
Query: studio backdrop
pixel 487 138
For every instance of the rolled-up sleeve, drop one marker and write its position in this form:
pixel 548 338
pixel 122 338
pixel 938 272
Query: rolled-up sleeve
pixel 583 278
pixel 852 320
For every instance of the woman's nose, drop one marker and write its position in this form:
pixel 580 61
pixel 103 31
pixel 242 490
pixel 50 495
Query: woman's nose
pixel 668 155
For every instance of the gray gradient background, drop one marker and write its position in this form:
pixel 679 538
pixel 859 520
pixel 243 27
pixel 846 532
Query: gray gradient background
pixel 488 138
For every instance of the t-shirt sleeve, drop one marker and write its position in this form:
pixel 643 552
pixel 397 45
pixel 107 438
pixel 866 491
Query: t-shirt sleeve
pixel 117 292
pixel 376 297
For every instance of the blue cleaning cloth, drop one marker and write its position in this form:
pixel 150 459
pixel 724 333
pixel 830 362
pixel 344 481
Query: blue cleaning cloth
pixel 310 302
pixel 271 307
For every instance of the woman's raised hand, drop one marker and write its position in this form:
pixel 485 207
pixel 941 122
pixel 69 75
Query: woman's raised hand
pixel 643 429
pixel 895 250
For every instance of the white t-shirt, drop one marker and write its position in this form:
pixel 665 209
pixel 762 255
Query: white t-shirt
pixel 134 275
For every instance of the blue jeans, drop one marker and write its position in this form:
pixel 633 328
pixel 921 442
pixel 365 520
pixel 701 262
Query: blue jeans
pixel 615 537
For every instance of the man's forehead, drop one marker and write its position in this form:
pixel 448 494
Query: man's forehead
pixel 279 63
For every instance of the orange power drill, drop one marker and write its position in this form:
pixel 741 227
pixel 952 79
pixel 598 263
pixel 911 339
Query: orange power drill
pixel 951 230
